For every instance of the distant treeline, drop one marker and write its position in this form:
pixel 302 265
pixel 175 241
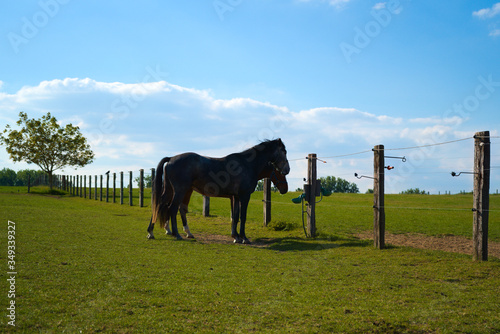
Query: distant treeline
pixel 9 177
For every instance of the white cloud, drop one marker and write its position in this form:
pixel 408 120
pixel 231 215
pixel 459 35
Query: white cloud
pixel 487 13
pixel 495 33
pixel 131 125
pixel 380 5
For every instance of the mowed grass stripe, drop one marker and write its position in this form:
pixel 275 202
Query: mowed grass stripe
pixel 86 265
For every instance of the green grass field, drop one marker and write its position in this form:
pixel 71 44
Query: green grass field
pixel 85 265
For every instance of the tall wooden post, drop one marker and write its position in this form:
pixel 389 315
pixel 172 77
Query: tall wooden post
pixel 130 189
pixel 107 187
pixel 77 186
pixel 378 197
pixel 481 195
pixel 85 186
pixel 90 186
pixel 267 201
pixel 95 187
pixel 114 187
pixel 206 206
pixel 100 192
pixel 311 181
pixel 121 188
pixel 141 188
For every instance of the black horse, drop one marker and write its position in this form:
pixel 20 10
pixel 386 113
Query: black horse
pixel 234 176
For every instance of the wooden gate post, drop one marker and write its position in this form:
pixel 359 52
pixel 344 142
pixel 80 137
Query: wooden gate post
pixel 378 197
pixel 141 188
pixel 206 206
pixel 481 195
pixel 267 201
pixel 311 181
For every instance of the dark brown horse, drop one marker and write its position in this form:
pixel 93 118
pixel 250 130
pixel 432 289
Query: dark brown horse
pixel 234 176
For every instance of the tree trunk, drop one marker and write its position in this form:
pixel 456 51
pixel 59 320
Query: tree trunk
pixel 50 179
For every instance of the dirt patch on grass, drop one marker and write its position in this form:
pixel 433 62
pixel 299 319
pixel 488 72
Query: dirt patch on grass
pixel 447 243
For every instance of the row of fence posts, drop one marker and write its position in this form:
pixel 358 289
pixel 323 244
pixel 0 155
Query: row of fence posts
pixel 480 206
pixel 77 186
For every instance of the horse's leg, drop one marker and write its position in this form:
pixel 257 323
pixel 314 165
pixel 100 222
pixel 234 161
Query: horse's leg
pixel 184 210
pixel 173 209
pixel 244 206
pixel 235 201
pixel 150 229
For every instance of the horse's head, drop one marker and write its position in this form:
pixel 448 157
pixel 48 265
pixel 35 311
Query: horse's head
pixel 279 160
pixel 279 181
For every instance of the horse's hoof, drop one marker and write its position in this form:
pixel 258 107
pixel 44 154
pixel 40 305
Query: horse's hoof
pixel 168 233
pixel 150 237
pixel 246 242
pixel 237 241
pixel 178 237
pixel 190 236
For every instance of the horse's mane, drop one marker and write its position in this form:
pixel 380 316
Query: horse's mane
pixel 265 144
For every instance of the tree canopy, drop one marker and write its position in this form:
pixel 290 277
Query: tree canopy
pixel 45 143
pixel 338 185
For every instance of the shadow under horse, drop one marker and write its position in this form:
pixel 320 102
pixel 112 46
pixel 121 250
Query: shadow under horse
pixel 234 176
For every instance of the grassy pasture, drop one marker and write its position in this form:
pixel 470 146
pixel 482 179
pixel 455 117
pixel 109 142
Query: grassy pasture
pixel 85 265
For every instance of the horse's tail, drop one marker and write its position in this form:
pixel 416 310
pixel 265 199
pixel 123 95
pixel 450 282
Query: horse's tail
pixel 158 201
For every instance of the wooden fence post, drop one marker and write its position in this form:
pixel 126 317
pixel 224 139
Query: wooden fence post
pixel 141 188
pixel 121 188
pixel 77 186
pixel 107 187
pixel 311 181
pixel 114 187
pixel 95 187
pixel 267 201
pixel 90 186
pixel 100 192
pixel 85 186
pixel 378 197
pixel 130 189
pixel 481 195
pixel 206 206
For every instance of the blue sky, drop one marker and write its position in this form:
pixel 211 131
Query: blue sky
pixel 149 79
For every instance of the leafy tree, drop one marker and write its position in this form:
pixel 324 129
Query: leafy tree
pixel 24 174
pixel 338 185
pixel 46 144
pixel 8 177
pixel 147 181
pixel 415 191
